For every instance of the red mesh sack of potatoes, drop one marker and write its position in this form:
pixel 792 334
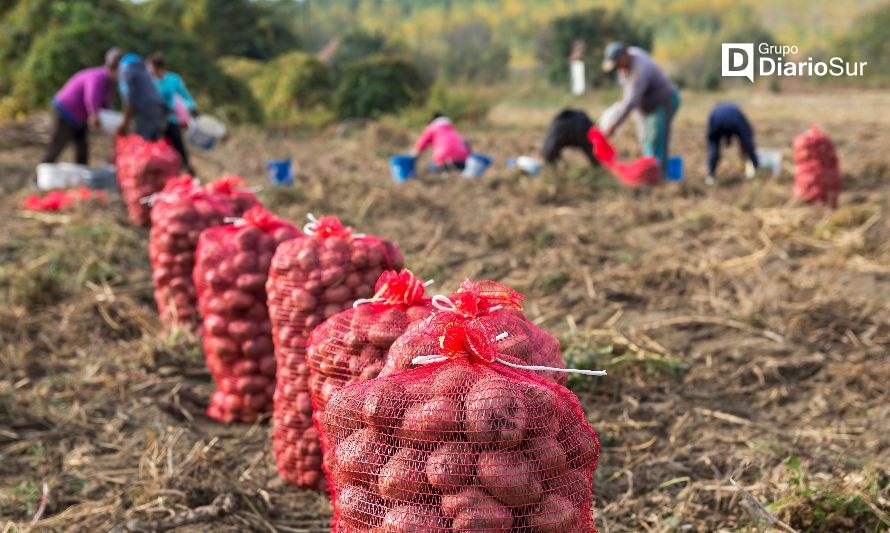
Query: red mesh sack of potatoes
pixel 230 274
pixel 235 190
pixel 312 279
pixel 179 213
pixel 143 168
pixel 351 346
pixel 498 307
pixel 465 443
pixel 817 175
pixel 639 172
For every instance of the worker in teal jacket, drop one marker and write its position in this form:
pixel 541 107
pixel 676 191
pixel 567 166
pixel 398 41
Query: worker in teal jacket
pixel 172 88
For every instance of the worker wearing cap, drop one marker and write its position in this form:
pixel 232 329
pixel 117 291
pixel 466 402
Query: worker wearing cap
pixel 143 104
pixel 648 90
pixel 76 108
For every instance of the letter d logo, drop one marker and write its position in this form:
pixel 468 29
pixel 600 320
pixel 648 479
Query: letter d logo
pixel 738 60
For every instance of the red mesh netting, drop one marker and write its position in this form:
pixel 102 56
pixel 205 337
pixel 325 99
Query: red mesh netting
pixel 460 445
pixel 230 274
pixel 351 346
pixel 143 168
pixel 179 213
pixel 817 176
pixel 500 308
pixel 234 189
pixel 639 172
pixel 312 279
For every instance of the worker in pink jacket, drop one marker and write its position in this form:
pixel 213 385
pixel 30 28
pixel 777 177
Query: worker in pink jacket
pixel 449 148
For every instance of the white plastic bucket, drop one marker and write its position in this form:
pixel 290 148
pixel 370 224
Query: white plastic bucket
pixel 529 165
pixel 61 175
pixel 770 159
pixel 205 131
pixel 476 165
pixel 110 120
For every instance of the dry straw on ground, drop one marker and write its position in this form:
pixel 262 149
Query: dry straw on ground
pixel 746 341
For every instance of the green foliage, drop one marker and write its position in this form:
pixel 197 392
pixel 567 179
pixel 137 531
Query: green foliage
pixel 867 41
pixel 377 85
pixel 241 68
pixel 597 28
pixel 814 502
pixel 292 85
pixel 229 28
pixel 697 54
pixel 472 55
pixel 29 19
pixel 461 104
pixel 54 55
pixel 356 45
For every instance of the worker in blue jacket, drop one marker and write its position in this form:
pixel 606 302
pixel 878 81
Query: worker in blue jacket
pixel 725 122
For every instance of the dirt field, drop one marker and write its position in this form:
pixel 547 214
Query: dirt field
pixel 746 338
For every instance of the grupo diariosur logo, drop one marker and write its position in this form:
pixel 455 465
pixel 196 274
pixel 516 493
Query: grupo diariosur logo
pixel 738 61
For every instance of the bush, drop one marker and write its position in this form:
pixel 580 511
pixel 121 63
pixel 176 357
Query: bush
pixel 867 41
pixel 694 44
pixel 27 20
pixel 473 56
pixel 292 88
pixel 460 104
pixel 377 85
pixel 356 45
pixel 244 28
pixel 597 28
pixel 82 42
pixel 241 68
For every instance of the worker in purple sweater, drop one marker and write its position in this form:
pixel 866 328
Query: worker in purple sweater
pixel 76 108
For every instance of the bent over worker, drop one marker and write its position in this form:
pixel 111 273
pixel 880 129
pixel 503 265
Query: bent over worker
pixel 726 122
pixel 76 108
pixel 143 105
pixel 645 89
pixel 450 150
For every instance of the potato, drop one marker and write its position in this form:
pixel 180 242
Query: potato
pixel 257 347
pixel 248 238
pixel 452 466
pixel 572 484
pixel 361 455
pixel 454 381
pixel 549 459
pixel 508 476
pixel 495 413
pixel 434 421
pixel 414 519
pixel 403 477
pixel 215 325
pixel 343 414
pixel 466 498
pixel 554 514
pixel 541 403
pixel 242 330
pixel 249 282
pixel 489 516
pixel 388 327
pixel 384 404
pixel 245 262
pixel 236 300
pixel 582 449
pixel 357 506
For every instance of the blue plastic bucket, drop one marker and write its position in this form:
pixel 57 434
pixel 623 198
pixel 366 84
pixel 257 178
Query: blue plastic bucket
pixel 402 168
pixel 280 172
pixel 476 165
pixel 675 168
